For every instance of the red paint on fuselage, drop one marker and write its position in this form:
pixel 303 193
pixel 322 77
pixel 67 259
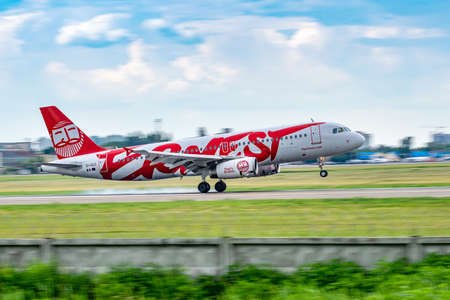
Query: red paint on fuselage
pixel 216 143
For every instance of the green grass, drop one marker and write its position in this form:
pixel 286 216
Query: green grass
pixel 428 279
pixel 238 218
pixel 365 176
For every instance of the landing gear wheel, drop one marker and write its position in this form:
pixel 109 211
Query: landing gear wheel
pixel 204 187
pixel 323 173
pixel 220 186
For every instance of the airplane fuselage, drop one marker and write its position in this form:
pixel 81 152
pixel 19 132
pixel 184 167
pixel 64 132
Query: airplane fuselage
pixel 270 146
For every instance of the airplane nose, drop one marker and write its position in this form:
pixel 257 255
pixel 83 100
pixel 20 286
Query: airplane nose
pixel 358 139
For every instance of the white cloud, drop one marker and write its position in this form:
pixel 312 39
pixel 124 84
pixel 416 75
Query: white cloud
pixel 202 66
pixel 99 28
pixel 305 33
pixel 177 85
pixel 385 56
pixel 9 25
pixel 154 23
pixel 136 76
pixel 393 32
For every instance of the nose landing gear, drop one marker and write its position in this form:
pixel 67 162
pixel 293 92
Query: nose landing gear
pixel 323 173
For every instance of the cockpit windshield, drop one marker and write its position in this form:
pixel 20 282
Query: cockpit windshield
pixel 340 129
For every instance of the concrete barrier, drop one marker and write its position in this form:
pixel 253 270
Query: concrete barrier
pixel 213 256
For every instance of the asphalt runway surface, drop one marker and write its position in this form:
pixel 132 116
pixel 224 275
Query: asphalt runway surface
pixel 212 196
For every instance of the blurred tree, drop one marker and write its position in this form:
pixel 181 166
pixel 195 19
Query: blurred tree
pixel 32 164
pixel 201 131
pixel 49 150
pixel 405 146
pixel 226 130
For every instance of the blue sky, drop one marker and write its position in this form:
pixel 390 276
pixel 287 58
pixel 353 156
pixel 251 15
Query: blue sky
pixel 114 66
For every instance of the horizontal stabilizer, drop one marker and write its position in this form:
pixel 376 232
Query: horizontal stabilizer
pixel 64 166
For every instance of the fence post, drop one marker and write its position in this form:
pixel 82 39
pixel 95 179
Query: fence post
pixel 225 254
pixel 414 250
pixel 46 250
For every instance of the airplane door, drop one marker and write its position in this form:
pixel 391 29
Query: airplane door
pixel 103 163
pixel 225 149
pixel 315 135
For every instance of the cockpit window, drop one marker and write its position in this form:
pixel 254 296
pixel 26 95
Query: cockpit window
pixel 340 129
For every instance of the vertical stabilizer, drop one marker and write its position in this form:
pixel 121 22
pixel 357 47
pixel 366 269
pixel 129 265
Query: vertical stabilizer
pixel 67 139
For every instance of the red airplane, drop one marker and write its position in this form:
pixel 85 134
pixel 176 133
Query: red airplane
pixel 223 156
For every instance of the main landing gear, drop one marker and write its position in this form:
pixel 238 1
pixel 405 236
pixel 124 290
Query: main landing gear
pixel 220 186
pixel 204 187
pixel 323 173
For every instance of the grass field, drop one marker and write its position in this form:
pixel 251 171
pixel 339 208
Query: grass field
pixel 241 218
pixel 396 175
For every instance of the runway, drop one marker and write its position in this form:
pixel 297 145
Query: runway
pixel 212 196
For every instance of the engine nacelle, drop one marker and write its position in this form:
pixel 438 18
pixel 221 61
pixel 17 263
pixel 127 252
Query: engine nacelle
pixel 267 170
pixel 236 168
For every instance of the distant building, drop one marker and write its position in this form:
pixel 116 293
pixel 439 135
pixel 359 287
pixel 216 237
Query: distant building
pixel 378 157
pixel 367 142
pixel 14 154
pixel 42 143
pixel 17 146
pixel 441 138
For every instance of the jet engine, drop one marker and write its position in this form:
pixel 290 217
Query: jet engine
pixel 267 170
pixel 243 167
pixel 236 168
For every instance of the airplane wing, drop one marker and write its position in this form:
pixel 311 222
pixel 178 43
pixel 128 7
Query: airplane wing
pixel 65 166
pixel 192 162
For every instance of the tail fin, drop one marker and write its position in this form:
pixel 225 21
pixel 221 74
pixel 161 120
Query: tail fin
pixel 68 140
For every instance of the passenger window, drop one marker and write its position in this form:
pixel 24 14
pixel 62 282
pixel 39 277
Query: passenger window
pixel 341 129
pixel 334 130
pixel 305 135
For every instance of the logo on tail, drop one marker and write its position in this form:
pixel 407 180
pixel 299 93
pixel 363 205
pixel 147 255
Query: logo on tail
pixel 67 139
